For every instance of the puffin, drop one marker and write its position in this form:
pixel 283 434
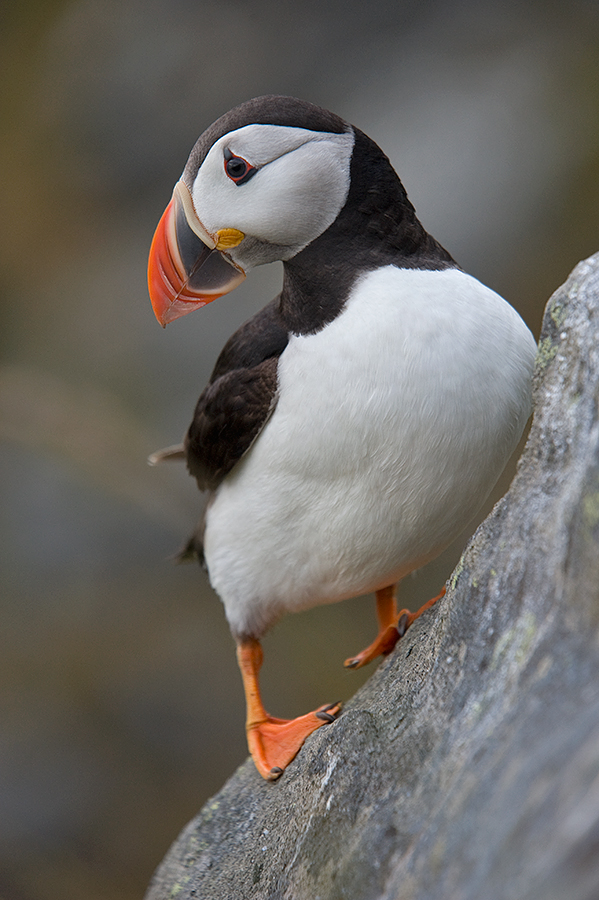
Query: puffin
pixel 354 426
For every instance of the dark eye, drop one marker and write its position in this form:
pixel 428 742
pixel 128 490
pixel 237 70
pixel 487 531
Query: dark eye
pixel 237 169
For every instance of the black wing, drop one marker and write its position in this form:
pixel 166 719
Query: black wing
pixel 239 398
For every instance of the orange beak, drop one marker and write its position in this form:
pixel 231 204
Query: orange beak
pixel 186 267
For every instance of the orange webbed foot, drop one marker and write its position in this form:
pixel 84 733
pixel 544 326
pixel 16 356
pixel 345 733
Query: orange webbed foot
pixel 273 743
pixel 393 626
pixel 383 644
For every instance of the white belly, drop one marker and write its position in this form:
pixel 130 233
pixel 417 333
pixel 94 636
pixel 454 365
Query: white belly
pixel 393 424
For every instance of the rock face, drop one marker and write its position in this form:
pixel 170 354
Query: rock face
pixel 468 766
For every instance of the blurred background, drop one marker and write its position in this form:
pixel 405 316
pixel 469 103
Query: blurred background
pixel 121 708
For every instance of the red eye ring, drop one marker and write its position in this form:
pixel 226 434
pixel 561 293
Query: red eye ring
pixel 238 169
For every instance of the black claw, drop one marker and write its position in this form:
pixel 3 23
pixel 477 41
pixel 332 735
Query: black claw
pixel 351 664
pixel 325 716
pixel 331 705
pixel 402 624
pixel 275 772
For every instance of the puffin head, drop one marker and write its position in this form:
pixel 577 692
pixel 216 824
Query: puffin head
pixel 261 183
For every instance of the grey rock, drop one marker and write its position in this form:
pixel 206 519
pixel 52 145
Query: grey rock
pixel 468 765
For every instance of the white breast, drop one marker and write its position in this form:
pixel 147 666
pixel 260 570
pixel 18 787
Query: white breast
pixel 393 424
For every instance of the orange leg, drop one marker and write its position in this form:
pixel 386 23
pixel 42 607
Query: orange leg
pixel 272 742
pixel 392 626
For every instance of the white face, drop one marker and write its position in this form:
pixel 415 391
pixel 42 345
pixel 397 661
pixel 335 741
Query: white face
pixel 299 189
